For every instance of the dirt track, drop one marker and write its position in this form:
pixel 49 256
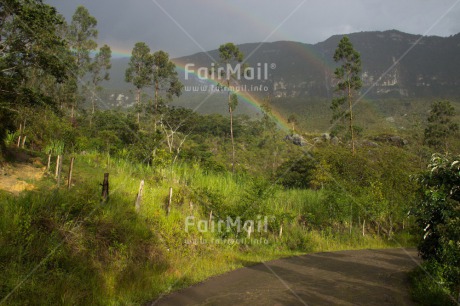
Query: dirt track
pixel 366 277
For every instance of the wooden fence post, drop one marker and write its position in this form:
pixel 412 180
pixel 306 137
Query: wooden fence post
pixel 139 196
pixel 20 135
pixel 57 166
pixel 105 188
pixel 168 207
pixel 69 181
pixel 59 171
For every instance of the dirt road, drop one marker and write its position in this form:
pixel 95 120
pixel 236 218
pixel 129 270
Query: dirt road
pixel 366 277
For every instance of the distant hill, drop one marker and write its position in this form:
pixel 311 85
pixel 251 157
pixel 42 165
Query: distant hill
pixel 395 65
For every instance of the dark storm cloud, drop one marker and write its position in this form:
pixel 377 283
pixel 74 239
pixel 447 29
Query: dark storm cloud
pixel 185 27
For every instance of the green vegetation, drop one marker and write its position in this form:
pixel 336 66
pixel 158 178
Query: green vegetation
pixel 349 82
pixel 63 245
pixel 438 219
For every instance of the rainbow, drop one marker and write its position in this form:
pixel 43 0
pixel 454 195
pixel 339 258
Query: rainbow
pixel 244 96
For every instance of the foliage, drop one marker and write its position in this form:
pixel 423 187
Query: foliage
pixel 99 69
pixel 140 69
pixel 81 37
pixel 229 53
pixel 165 77
pixel 296 172
pixel 349 81
pixel 440 127
pixel 34 59
pixel 438 218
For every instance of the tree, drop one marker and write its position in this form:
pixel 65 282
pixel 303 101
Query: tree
pixel 81 37
pixel 99 69
pixel 165 77
pixel 34 59
pixel 438 218
pixel 229 53
pixel 140 71
pixel 440 126
pixel 349 81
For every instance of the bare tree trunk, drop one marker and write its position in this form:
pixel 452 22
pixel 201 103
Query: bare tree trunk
pixel 157 88
pixel 24 141
pixel 59 172
pixel 138 100
pixel 49 163
pixel 231 136
pixel 350 108
pixel 364 224
pixel 57 166
pixel 93 102
pixel 69 180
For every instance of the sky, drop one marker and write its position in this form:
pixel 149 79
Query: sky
pixel 184 27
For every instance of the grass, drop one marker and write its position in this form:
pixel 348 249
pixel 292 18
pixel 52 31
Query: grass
pixel 85 252
pixel 427 289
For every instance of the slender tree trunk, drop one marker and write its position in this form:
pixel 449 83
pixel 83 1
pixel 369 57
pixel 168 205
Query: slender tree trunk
pixel 157 88
pixel 138 99
pixel 49 163
pixel 69 181
pixel 350 108
pixel 57 166
pixel 59 172
pixel 93 102
pixel 231 132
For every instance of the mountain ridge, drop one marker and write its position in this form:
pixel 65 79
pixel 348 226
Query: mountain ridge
pixel 427 70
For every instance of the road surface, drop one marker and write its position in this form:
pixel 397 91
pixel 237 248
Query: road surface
pixel 364 277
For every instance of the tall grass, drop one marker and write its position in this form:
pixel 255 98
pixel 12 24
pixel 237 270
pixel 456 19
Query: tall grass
pixel 66 247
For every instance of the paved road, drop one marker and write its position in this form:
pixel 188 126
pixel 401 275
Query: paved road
pixel 366 277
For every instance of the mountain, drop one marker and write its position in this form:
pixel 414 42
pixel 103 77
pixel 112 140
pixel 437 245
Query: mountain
pixel 395 65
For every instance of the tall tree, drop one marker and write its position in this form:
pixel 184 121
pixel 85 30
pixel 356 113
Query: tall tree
pixel 228 54
pixel 349 82
pixel 30 46
pixel 99 69
pixel 440 126
pixel 140 71
pixel 165 78
pixel 81 37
